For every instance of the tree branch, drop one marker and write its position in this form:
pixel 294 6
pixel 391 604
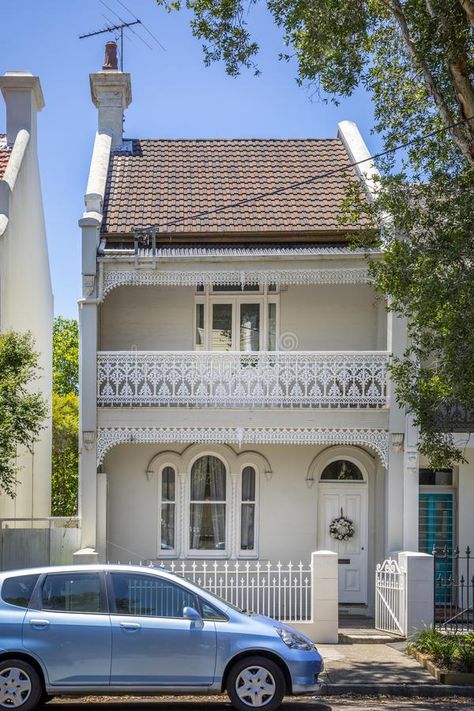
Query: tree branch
pixel 468 7
pixel 465 146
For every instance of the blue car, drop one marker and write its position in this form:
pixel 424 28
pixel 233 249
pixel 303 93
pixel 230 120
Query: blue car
pixel 116 629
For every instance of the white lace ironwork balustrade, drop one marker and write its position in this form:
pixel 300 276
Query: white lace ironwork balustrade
pixel 232 379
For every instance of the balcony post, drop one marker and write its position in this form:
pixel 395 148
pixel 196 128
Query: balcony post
pixel 394 484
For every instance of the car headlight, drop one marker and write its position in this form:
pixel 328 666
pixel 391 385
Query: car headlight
pixel 295 641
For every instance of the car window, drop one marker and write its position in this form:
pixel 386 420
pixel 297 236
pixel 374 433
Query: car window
pixel 18 590
pixel 71 592
pixel 148 595
pixel 209 612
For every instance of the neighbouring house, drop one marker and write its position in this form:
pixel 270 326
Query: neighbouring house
pixel 26 299
pixel 235 399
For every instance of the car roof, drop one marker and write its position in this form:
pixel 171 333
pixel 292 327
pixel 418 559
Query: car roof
pixel 89 567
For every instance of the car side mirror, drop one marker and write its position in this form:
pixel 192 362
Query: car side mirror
pixel 190 613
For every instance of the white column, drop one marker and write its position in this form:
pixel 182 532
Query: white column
pixel 410 486
pixel 88 428
pixel 325 596
pixel 394 484
pixel 102 488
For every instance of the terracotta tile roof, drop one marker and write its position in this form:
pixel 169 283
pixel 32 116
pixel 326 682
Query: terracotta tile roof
pixel 5 152
pixel 166 182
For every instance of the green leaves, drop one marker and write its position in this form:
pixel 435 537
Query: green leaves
pixel 65 355
pixel 22 411
pixel 65 459
pixel 415 58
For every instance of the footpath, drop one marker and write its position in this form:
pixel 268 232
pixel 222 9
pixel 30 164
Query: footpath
pixel 371 669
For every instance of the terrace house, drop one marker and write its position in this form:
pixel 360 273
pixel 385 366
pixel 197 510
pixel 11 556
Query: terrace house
pixel 234 389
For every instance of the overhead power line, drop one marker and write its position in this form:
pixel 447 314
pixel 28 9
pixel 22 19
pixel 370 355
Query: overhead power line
pixel 301 183
pixel 143 25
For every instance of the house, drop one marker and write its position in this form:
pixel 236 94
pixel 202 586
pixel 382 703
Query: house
pixel 235 400
pixel 26 300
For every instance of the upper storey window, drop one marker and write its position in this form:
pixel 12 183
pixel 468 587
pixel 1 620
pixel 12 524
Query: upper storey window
pixel 228 318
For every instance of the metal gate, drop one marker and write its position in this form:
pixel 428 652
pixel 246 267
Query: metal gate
pixel 390 598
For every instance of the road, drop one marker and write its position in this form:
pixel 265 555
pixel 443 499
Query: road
pixel 221 704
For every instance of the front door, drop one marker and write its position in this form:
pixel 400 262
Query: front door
pixel 351 499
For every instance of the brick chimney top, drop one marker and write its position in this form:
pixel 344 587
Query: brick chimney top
pixel 110 60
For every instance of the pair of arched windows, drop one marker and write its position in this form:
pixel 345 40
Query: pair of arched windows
pixel 208 507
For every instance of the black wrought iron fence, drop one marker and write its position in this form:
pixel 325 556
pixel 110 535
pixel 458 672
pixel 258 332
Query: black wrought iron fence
pixel 453 589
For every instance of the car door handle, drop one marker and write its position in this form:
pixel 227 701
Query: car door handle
pixel 39 623
pixel 130 626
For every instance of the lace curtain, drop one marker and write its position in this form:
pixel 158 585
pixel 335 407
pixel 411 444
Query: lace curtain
pixel 208 507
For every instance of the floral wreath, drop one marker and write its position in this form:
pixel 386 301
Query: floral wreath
pixel 341 528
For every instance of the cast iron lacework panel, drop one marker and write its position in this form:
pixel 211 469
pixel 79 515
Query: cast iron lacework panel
pixel 279 277
pixel 233 379
pixel 107 438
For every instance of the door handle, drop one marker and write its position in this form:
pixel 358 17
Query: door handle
pixel 130 626
pixel 39 623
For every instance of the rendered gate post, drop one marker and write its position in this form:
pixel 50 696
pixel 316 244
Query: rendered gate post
pixel 325 596
pixel 419 569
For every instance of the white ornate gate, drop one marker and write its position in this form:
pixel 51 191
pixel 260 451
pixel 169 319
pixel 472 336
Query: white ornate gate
pixel 390 598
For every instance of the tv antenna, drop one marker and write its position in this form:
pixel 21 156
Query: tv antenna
pixel 114 28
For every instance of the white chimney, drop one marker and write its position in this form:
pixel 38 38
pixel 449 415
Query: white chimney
pixel 23 99
pixel 111 92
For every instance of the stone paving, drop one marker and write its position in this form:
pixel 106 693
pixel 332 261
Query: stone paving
pixel 368 664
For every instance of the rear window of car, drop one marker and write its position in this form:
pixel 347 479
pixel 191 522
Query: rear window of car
pixel 72 592
pixel 18 590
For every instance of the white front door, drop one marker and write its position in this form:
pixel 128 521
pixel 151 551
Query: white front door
pixel 351 498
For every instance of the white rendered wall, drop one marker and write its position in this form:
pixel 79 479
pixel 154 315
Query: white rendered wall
pixel 465 501
pixel 26 304
pixel 343 317
pixel 288 507
pixel 339 317
pixel 148 318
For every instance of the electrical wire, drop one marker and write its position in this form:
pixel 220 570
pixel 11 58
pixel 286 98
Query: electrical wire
pixel 301 183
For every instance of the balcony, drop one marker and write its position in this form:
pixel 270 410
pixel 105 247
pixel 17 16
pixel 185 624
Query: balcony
pixel 273 379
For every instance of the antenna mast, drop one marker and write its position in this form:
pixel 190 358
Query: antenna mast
pixel 114 28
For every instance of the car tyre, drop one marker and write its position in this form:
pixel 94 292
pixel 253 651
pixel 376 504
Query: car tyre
pixel 20 685
pixel 256 682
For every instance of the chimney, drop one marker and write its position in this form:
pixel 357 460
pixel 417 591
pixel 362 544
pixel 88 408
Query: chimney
pixel 23 99
pixel 111 93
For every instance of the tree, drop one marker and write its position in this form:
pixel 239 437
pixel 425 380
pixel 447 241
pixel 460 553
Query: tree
pixel 65 459
pixel 415 57
pixel 22 412
pixel 65 356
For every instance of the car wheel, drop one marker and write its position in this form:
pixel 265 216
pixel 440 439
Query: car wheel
pixel 256 682
pixel 20 685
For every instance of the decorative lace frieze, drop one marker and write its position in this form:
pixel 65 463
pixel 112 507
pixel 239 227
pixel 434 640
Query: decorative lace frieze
pixel 280 277
pixel 375 439
pixel 234 379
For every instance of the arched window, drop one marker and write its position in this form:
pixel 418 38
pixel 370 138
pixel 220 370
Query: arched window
pixel 342 470
pixel 247 509
pixel 168 510
pixel 207 518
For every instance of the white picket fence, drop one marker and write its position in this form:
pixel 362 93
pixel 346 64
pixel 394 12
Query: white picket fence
pixel 391 598
pixel 279 590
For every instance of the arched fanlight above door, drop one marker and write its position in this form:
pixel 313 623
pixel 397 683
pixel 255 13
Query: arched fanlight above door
pixel 341 470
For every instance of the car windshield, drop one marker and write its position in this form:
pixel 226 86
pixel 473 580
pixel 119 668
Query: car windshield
pixel 227 604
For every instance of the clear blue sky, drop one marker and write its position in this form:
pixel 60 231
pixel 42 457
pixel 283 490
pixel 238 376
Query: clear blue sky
pixel 174 95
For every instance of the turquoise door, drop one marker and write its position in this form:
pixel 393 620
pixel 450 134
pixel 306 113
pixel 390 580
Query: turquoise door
pixel 436 530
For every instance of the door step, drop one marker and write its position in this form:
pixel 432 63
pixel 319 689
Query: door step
pixel 359 609
pixel 367 637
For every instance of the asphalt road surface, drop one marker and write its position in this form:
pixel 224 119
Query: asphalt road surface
pixel 222 704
